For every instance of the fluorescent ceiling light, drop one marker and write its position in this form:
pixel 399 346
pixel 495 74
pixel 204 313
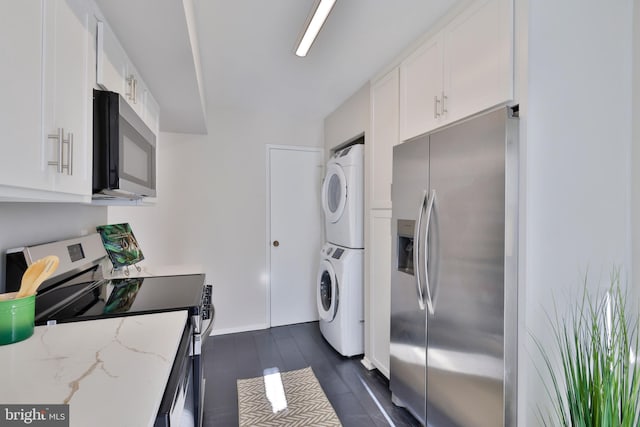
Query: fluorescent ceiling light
pixel 315 24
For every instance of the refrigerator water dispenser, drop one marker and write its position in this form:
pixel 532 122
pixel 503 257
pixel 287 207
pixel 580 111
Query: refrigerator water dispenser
pixel 404 262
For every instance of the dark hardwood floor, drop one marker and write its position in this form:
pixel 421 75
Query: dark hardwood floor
pixel 359 397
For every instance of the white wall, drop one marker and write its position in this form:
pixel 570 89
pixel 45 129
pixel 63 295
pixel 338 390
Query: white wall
pixel 164 229
pixel 578 147
pixel 635 158
pixel 33 223
pixel 348 121
pixel 211 207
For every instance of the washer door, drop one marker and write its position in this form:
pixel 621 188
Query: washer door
pixel 334 193
pixel 327 296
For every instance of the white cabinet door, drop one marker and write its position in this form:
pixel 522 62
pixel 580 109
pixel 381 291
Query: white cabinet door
pixel 464 69
pixel 116 72
pixel 22 162
pixel 111 67
pixel 151 112
pixel 135 90
pixel 384 135
pixel 67 95
pixel 379 282
pixel 478 65
pixel 421 89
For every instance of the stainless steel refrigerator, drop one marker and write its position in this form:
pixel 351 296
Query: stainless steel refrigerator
pixel 454 274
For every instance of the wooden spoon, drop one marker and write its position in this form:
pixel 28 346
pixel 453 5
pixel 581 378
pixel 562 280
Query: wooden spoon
pixel 8 296
pixel 37 273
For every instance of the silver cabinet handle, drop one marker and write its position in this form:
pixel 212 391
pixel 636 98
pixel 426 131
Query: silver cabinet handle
pixel 70 154
pixel 59 164
pixel 131 82
pixel 416 251
pixel 436 101
pixel 430 203
pixel 444 108
pixel 59 137
pixel 135 91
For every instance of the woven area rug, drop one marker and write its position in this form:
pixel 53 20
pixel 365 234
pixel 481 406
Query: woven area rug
pixel 306 404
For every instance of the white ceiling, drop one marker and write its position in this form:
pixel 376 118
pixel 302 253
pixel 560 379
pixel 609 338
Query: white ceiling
pixel 247 51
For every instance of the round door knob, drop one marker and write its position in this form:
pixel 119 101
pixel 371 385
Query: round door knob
pixel 276 243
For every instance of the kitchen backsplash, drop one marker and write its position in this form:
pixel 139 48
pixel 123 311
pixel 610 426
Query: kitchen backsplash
pixel 33 223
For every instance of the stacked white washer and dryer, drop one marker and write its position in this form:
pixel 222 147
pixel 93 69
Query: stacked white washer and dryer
pixel 340 289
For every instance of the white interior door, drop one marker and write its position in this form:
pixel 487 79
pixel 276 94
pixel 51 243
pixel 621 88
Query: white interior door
pixel 295 232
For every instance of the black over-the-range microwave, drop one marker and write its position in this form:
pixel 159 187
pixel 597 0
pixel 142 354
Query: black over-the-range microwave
pixel 124 150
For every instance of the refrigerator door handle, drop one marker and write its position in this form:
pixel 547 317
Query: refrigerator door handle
pixel 416 250
pixel 430 203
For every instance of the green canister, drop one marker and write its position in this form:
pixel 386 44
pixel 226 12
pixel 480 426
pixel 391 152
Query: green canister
pixel 17 319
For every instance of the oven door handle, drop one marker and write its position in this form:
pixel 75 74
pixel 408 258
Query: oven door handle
pixel 201 337
pixel 207 331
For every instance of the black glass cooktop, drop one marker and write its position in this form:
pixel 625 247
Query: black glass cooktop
pixel 84 300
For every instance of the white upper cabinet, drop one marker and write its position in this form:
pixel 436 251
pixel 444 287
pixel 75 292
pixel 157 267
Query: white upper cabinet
pixel 421 89
pixel 464 69
pixel 45 77
pixel 151 112
pixel 111 67
pixel 384 135
pixel 135 90
pixel 22 162
pixel 116 72
pixel 478 59
pixel 67 121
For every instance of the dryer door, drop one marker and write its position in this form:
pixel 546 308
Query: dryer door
pixel 334 193
pixel 327 296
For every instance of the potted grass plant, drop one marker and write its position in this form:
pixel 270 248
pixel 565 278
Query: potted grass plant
pixel 596 382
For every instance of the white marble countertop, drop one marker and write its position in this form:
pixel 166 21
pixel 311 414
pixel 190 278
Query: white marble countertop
pixel 111 372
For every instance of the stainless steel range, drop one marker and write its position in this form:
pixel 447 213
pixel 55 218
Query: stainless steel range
pixel 78 291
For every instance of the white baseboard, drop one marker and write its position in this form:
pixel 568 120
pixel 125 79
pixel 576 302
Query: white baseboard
pixel 245 328
pixel 367 364
pixel 372 364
